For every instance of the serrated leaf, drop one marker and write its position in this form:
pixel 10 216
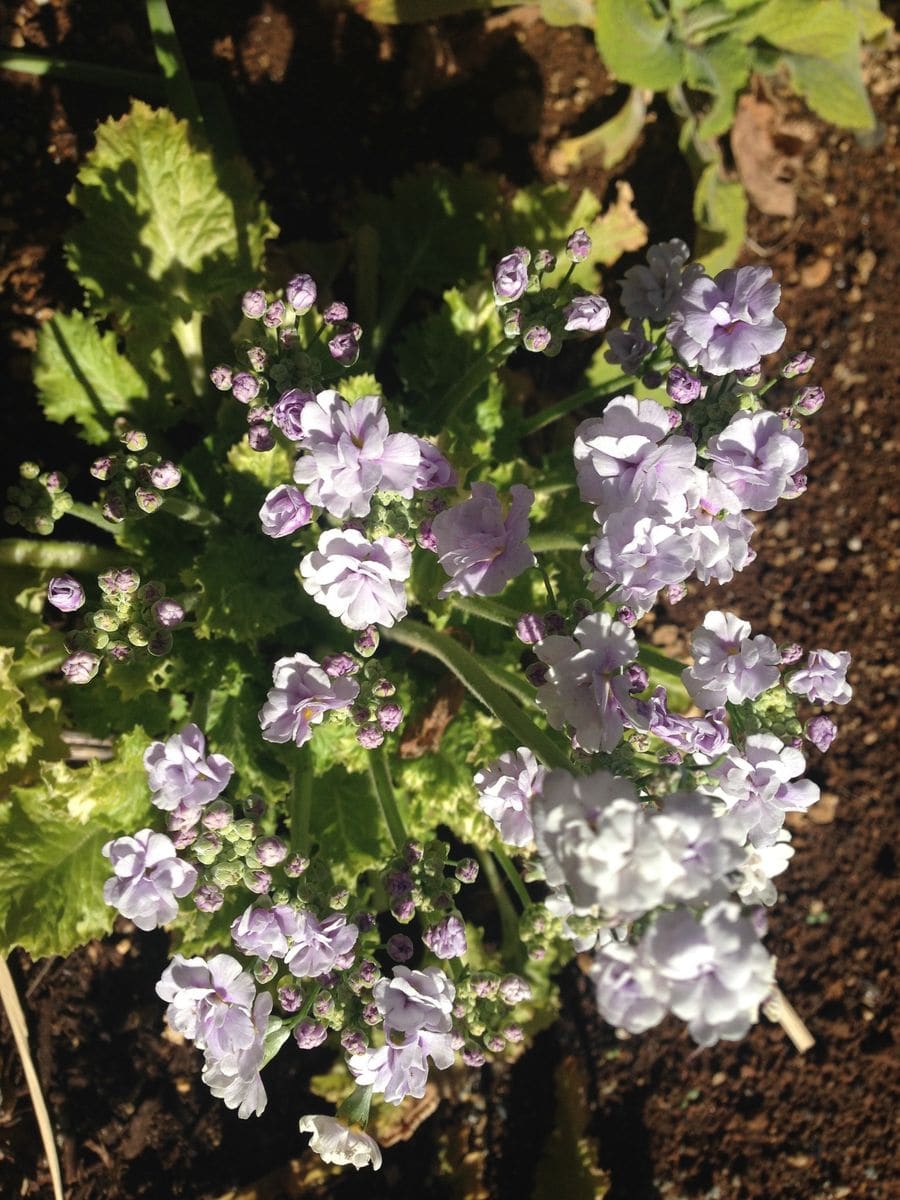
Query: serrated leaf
pixel 246 603
pixel 51 834
pixel 346 824
pixel 17 741
pixel 820 28
pixel 81 374
pixel 635 45
pixel 355 386
pixel 166 230
pixel 721 68
pixel 833 89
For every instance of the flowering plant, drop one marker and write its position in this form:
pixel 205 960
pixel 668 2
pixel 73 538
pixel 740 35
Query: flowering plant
pixel 281 793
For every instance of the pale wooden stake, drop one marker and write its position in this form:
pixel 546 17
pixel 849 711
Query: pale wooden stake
pixel 16 1018
pixel 778 1008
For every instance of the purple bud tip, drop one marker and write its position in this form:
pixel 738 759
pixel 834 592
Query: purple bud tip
pixel 809 401
pixel 81 667
pixel 335 313
pixel 530 629
pixel 370 737
pixel 466 870
pixel 536 674
pixel 309 1034
pixel 676 592
pixel 253 304
pixel 102 468
pixel 259 882
pixel 627 616
pixel 511 276
pixel 578 247
pixel 367 641
pixel 404 910
pixel 682 386
pixel 270 851
pixel 338 665
pixel 159 643
pixel 208 898
pixel 537 339
pixel 220 377
pixel 274 315
pixel 134 440
pixel 165 475
pixel 295 866
pixel 245 387
pixel 344 348
pixel 637 677
pixel 544 260
pixel 512 322
pixel 821 731
pixel 257 358
pixel 400 948
pixel 168 613
pixel 473 1057
pixel 65 593
pixel 389 717
pixel 413 852
pixel 301 293
pixel 798 364
pixel 554 623
pixel 425 538
pixel 260 437
pixel 148 499
pixel 290 998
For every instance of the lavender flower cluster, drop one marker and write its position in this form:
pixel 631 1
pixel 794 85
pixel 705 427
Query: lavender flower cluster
pixel 136 479
pixel 132 619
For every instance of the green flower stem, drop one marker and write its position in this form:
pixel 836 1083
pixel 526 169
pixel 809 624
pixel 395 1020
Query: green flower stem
pixel 300 802
pixel 55 556
pixel 470 671
pixel 480 371
pixel 510 943
pixel 179 88
pixel 551 595
pixel 200 709
pixel 383 787
pixel 514 684
pixel 652 657
pixel 141 83
pixel 509 870
pixel 187 510
pixel 189 336
pixel 85 512
pixel 568 404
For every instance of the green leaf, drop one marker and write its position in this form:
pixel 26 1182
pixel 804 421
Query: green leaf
pixel 834 89
pixel 720 209
pixel 722 68
pixel 81 373
pixel 51 835
pixel 17 741
pixel 167 230
pixel 569 1165
pixel 635 44
pixel 820 28
pixel 345 824
pixel 607 143
pixel 246 587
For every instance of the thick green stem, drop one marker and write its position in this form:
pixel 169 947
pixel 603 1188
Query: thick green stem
pixel 189 336
pixel 469 670
pixel 510 942
pixel 300 802
pixel 488 610
pixel 141 83
pixel 179 88
pixel 509 870
pixel 651 657
pixel 85 512
pixel 540 543
pixel 187 510
pixel 568 404
pixel 480 371
pixel 383 787
pixel 55 556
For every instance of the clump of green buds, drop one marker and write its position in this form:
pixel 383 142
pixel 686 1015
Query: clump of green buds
pixel 136 477
pixel 38 500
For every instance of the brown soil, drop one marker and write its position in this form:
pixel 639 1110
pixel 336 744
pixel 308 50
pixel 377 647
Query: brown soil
pixel 748 1122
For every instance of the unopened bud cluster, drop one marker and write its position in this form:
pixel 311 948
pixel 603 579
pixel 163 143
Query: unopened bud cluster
pixel 136 478
pixel 38 500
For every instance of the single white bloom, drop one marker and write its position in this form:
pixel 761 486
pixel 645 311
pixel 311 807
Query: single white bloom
pixel 335 1143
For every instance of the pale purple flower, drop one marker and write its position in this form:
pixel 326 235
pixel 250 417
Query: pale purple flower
pixel 727 324
pixel 234 1076
pixel 718 971
pixel 344 346
pixel 335 1143
pixel 511 276
pixel 284 511
pixel 756 457
pixel 729 665
pixel 81 666
pixel 318 945
pixel 414 1001
pixel 630 994
pixel 480 547
pixel 358 581
pixel 705 737
pixel 637 556
pixel 65 593
pixel 398 1071
pixel 755 784
pixel 587 314
pixel 210 1002
pixel 264 932
pixel 302 694
pixel 288 412
pixel 180 773
pixel 824 678
pixel 821 731
pixel 505 790
pixel 650 292
pixel 149 878
pixel 352 455
pixel 300 293
pixel 682 386
pixel 433 470
pixel 577 688
pixel 759 868
pixel 447 939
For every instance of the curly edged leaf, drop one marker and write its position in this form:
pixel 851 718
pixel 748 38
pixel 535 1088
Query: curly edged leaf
pixel 81 374
pixel 167 228
pixel 51 835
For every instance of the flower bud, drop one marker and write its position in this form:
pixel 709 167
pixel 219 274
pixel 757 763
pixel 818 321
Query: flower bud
pixel 389 716
pixel 682 386
pixel 544 261
pixel 260 437
pixel 809 401
pixel 511 276
pixel 301 293
pixel 167 613
pixel 209 898
pixel 798 364
pixel 530 629
pixel 821 731
pixel 354 1042
pixel 676 592
pixel 148 500
pixel 473 1057
pixel 536 673
pixel 309 1034
pixel 512 322
pixel 65 593
pixel 138 635
pixel 335 313
pixel 258 882
pixel 134 440
pixel 253 304
pixel 217 815
pixel 295 866
pixel 344 348
pixel 270 851
pixel 366 642
pixel 536 339
pixel 81 667
pixel 245 387
pixel 165 475
pixel 338 665
pixel 404 909
pixel 466 870
pixel 627 616
pixel 221 378
pixel 400 947
pixel 290 998
pixel 578 247
pixel 274 314
pixel 160 643
pixel 207 848
pixel 257 358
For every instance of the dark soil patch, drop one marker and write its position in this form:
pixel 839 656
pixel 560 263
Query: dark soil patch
pixel 324 105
